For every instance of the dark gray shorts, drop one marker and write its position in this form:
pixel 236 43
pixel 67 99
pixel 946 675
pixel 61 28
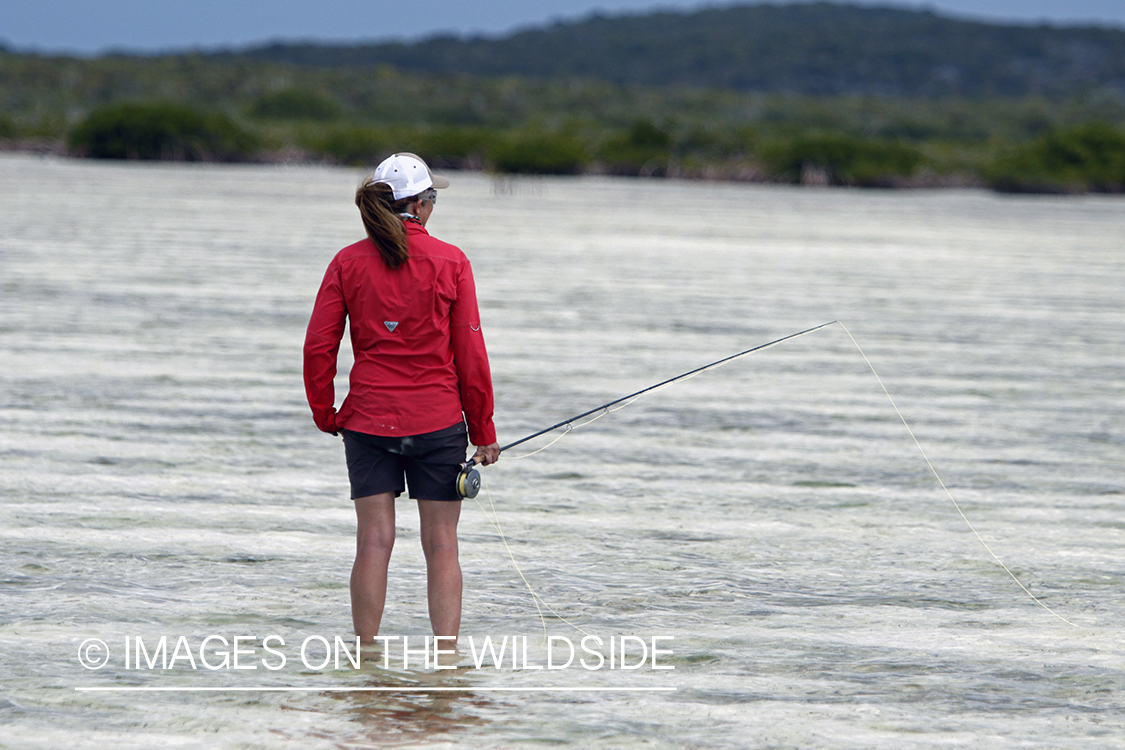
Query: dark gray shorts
pixel 428 463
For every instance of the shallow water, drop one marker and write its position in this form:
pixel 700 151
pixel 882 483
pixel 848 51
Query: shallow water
pixel 160 474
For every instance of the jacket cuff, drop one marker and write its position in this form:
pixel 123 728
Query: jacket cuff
pixel 327 423
pixel 484 436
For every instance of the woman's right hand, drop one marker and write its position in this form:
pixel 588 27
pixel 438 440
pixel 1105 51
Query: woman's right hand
pixel 487 454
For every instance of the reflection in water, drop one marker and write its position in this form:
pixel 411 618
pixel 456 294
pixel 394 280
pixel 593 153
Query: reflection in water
pixel 410 718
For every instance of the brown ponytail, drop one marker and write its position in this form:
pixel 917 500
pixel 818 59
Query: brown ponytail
pixel 379 211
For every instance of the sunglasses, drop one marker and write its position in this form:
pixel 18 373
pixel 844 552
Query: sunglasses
pixel 428 195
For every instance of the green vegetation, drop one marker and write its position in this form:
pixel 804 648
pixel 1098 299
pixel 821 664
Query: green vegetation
pixel 449 147
pixel 835 159
pixel 296 104
pixel 1078 160
pixel 644 148
pixel 160 131
pixel 337 105
pixel 539 153
pixel 818 49
pixel 352 144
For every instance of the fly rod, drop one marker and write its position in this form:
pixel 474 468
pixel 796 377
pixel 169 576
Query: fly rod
pixel 468 481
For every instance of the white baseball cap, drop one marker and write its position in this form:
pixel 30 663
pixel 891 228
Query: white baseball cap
pixel 407 175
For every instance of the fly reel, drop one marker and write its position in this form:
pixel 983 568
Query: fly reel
pixel 468 481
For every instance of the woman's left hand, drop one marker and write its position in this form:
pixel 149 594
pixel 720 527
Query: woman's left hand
pixel 487 454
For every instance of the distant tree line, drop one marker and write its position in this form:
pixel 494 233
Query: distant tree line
pixel 232 107
pixel 820 49
pixel 1079 159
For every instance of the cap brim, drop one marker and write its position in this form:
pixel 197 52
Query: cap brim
pixel 439 182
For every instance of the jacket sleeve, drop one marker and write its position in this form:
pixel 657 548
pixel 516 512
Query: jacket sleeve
pixel 322 345
pixel 471 360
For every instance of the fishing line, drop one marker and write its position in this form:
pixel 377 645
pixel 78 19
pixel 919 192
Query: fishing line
pixel 495 519
pixel 469 481
pixel 569 427
pixel 535 598
pixel 949 494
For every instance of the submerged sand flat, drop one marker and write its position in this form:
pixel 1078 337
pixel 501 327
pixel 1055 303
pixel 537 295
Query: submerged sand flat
pixel 160 474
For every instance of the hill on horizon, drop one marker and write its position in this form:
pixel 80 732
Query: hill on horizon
pixel 814 49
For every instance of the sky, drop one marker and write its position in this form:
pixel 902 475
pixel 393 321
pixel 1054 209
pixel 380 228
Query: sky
pixel 91 27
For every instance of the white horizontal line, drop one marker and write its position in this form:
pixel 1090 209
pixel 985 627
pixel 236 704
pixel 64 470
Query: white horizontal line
pixel 466 689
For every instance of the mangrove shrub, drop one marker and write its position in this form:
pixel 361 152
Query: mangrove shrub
pixel 642 149
pixel 453 146
pixel 354 145
pixel 161 131
pixel 837 159
pixel 539 153
pixel 447 147
pixel 296 104
pixel 1075 160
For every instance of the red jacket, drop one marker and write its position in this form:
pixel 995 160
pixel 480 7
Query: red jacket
pixel 420 360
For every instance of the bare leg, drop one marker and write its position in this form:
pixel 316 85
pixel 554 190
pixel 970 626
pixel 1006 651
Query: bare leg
pixel 375 537
pixel 443 571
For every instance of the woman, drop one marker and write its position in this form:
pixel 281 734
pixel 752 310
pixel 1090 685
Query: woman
pixel 420 373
